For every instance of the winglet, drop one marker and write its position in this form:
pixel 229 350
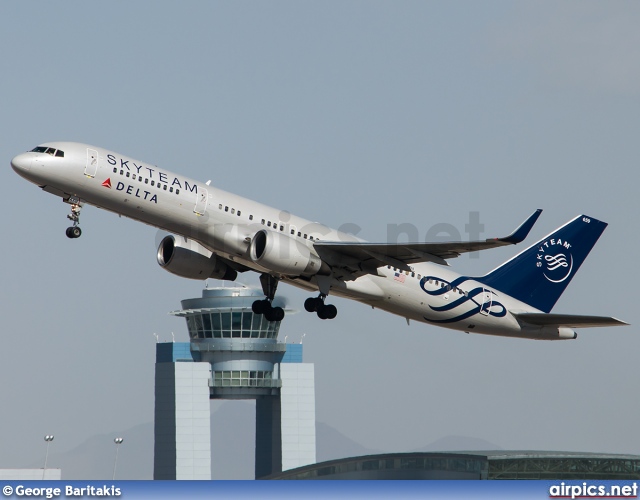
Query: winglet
pixel 521 233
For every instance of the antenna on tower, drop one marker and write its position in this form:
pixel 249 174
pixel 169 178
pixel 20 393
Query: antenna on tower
pixel 303 335
pixel 173 337
pixel 156 336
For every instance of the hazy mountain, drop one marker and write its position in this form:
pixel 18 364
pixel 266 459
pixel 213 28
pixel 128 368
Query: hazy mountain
pixel 232 449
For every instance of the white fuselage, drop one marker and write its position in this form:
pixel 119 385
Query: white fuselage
pixel 225 223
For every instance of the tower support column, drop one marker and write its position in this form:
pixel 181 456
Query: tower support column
pixel 182 432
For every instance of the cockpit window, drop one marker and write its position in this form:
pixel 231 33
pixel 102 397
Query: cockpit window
pixel 52 151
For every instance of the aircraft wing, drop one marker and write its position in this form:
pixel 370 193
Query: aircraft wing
pixel 369 256
pixel 568 320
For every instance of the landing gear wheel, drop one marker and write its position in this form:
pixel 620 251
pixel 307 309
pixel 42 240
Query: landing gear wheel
pixel 312 304
pixel 268 314
pixel 331 311
pixel 74 232
pixel 278 313
pixel 322 312
pixel 327 311
pixel 260 306
pixel 274 314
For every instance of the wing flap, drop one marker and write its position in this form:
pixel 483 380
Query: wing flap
pixel 568 320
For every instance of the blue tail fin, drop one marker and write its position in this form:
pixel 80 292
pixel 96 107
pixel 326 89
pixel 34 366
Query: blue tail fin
pixel 538 275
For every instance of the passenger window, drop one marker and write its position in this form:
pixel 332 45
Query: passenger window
pixel 226 209
pixel 250 217
pixel 263 222
pixel 233 210
pixel 177 191
pixel 171 190
pixel 128 174
pixel 60 153
pixel 220 206
pixel 239 213
pixel 152 182
pixel 413 275
pixel 146 181
pixel 269 224
pixel 305 236
pixel 299 234
pixel 134 177
pixel 293 232
pixel 281 228
pixel 164 186
pixel 115 170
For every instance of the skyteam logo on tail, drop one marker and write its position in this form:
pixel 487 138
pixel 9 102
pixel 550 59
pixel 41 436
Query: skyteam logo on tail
pixel 555 260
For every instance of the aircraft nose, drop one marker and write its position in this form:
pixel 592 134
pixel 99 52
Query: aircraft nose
pixel 21 163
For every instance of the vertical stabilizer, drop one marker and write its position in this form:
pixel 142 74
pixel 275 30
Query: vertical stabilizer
pixel 538 275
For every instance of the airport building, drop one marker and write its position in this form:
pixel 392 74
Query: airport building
pixel 474 465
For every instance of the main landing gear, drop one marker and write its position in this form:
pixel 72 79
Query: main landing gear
pixel 74 231
pixel 312 304
pixel 317 305
pixel 269 285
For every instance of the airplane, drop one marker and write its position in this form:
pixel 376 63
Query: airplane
pixel 217 234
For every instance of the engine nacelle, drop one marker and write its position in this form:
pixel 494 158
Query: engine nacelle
pixel 188 259
pixel 279 253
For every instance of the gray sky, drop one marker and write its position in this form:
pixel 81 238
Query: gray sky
pixel 370 113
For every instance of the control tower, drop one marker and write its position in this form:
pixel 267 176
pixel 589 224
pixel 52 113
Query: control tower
pixel 233 353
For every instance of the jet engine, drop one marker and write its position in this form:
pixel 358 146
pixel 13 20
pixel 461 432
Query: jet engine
pixel 188 259
pixel 276 252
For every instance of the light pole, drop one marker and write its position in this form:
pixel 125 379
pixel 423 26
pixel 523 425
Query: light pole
pixel 48 438
pixel 118 442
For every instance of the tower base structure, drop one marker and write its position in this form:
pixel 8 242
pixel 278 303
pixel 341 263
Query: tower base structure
pixel 233 354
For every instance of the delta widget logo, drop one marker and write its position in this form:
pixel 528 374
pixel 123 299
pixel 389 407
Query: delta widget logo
pixel 555 260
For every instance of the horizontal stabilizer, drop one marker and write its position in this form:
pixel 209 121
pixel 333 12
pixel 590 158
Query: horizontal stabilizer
pixel 568 320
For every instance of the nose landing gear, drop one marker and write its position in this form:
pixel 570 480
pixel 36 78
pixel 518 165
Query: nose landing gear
pixel 74 231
